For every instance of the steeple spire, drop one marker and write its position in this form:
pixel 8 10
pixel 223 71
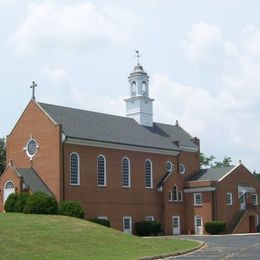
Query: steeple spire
pixel 139 106
pixel 138 55
pixel 33 86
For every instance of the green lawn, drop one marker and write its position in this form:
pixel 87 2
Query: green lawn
pixel 56 237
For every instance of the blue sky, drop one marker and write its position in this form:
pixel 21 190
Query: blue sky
pixel 203 58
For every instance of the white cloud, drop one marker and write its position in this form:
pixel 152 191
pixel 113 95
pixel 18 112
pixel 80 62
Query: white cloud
pixel 54 25
pixel 201 39
pixel 60 89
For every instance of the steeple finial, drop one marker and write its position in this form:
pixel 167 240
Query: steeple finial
pixel 33 86
pixel 138 55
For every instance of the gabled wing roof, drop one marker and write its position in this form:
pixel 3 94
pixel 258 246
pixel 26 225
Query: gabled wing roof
pixel 32 179
pixel 89 125
pixel 212 174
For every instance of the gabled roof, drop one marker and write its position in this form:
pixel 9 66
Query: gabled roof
pixel 212 174
pixel 89 125
pixel 32 179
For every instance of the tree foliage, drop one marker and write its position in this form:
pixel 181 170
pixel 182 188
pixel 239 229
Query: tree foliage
pixel 209 161
pixel 2 154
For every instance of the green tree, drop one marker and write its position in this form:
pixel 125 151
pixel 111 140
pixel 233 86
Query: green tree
pixel 209 161
pixel 2 154
pixel 206 161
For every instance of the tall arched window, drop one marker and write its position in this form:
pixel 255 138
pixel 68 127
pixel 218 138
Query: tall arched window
pixel 148 174
pixel 144 89
pixel 126 179
pixel 175 193
pixel 133 89
pixel 74 169
pixel 101 170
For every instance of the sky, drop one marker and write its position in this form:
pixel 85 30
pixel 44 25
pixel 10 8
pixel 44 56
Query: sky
pixel 203 59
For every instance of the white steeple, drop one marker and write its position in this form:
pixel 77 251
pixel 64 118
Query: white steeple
pixel 139 106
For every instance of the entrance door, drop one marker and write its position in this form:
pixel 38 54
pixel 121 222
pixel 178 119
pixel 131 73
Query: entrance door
pixel 176 225
pixel 243 202
pixel 198 225
pixel 127 225
pixel 252 224
pixel 9 189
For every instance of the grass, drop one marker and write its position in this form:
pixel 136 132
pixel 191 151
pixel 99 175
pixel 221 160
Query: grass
pixel 57 237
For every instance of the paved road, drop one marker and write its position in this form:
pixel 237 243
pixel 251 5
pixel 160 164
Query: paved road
pixel 226 247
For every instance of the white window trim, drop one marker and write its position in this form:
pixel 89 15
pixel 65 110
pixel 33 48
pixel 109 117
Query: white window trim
pixel 131 227
pixel 129 173
pixel 256 199
pixel 230 197
pixel 151 187
pixel 180 197
pixel 170 199
pixel 78 173
pixel 105 171
pixel 103 217
pixel 195 201
pixel 149 218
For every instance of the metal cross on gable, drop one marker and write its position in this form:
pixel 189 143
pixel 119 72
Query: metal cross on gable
pixel 138 55
pixel 33 86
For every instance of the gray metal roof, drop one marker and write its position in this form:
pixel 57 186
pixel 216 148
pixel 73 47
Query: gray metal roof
pixel 89 125
pixel 212 174
pixel 32 179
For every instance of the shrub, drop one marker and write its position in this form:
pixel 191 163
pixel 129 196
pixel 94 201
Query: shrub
pixel 103 222
pixel 21 201
pixel 10 203
pixel 147 228
pixel 215 227
pixel 71 208
pixel 41 203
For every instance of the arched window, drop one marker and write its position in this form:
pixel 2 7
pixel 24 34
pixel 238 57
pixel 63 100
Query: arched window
pixel 180 196
pixel 133 89
pixel 74 169
pixel 9 185
pixel 148 174
pixel 126 172
pixel 175 193
pixel 101 170
pixel 170 196
pixel 144 89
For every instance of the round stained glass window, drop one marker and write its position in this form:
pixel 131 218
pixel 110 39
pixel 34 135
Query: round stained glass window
pixel 169 166
pixel 31 148
pixel 182 168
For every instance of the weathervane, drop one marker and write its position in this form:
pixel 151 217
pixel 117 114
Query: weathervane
pixel 138 55
pixel 33 86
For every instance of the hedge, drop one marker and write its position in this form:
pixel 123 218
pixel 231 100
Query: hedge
pixel 215 227
pixel 41 203
pixel 71 208
pixel 103 222
pixel 10 203
pixel 148 228
pixel 21 201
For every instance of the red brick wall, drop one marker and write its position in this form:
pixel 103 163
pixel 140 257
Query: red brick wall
pixel 230 184
pixel 8 175
pixel 114 201
pixel 47 161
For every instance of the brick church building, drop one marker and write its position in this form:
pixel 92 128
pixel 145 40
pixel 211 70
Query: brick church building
pixel 126 169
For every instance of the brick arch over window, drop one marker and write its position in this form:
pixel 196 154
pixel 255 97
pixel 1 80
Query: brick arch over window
pixel 101 170
pixel 126 173
pixel 148 174
pixel 74 169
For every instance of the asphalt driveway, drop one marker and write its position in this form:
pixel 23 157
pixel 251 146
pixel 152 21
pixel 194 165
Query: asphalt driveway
pixel 244 246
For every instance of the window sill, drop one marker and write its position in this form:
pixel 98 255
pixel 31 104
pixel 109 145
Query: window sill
pixel 72 184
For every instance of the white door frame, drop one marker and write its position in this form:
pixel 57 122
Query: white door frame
pixel 127 230
pixel 8 191
pixel 198 229
pixel 243 202
pixel 176 230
